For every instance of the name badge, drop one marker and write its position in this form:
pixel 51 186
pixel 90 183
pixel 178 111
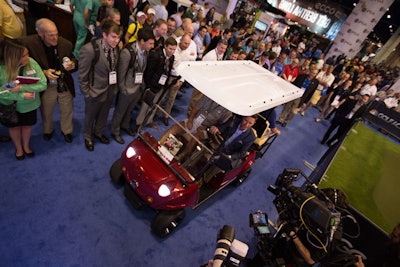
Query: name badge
pixel 163 79
pixel 112 77
pixel 199 119
pixel 30 72
pixel 138 77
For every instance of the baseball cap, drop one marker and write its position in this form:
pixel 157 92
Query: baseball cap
pixel 151 11
pixel 140 13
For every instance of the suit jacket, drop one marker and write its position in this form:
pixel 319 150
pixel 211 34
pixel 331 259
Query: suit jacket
pixel 239 146
pixel 126 73
pixel 64 49
pixel 309 90
pixel 95 81
pixel 156 68
pixel 347 107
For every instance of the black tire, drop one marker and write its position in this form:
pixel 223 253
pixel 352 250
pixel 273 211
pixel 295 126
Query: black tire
pixel 166 221
pixel 242 177
pixel 116 173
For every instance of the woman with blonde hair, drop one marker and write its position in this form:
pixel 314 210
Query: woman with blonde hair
pixel 15 61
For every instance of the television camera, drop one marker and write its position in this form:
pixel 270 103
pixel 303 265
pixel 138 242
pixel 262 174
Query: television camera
pixel 309 212
pixel 308 206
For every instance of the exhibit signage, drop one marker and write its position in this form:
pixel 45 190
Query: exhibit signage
pixel 384 118
pixel 320 17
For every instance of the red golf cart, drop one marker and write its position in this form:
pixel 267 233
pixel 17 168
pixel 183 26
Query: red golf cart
pixel 154 174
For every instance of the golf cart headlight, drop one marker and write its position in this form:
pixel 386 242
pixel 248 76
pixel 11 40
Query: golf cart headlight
pixel 130 152
pixel 164 191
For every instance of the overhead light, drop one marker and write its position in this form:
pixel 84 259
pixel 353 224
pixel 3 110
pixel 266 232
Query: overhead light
pixel 388 16
pixel 354 4
pixel 390 26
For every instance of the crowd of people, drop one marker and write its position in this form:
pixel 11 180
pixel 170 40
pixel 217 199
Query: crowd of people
pixel 139 48
pixel 134 48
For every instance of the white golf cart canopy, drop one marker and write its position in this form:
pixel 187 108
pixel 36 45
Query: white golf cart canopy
pixel 243 87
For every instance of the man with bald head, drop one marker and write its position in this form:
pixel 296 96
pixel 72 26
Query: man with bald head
pixel 51 52
pixel 186 22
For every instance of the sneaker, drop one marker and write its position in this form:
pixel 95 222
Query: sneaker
pixel 302 113
pixel 317 119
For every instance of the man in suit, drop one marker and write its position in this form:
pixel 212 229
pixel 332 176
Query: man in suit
pixel 158 70
pixel 238 136
pixel 345 115
pixel 130 82
pixel 309 84
pixel 48 49
pixel 98 81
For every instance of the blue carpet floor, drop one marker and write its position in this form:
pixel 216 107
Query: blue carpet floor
pixel 61 209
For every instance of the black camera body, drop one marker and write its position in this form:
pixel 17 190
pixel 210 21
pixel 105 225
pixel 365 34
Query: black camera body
pixel 304 206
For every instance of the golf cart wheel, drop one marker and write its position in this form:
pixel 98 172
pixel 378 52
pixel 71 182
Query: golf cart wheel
pixel 166 221
pixel 242 177
pixel 116 173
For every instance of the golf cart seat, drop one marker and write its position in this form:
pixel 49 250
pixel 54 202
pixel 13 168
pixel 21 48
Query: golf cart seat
pixel 264 136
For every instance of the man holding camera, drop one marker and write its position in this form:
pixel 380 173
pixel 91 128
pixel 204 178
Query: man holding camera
pixel 54 55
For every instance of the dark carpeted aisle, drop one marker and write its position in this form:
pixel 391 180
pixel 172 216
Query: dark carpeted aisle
pixel 60 208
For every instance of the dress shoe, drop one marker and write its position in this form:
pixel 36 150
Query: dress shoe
pixel 165 121
pixel 4 139
pixel 278 122
pixel 129 131
pixel 89 145
pixel 68 138
pixel 118 139
pixel 102 139
pixel 30 154
pixel 48 136
pixel 153 126
pixel 22 157
pixel 284 124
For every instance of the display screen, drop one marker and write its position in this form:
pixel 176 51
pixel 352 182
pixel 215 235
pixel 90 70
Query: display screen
pixel 366 168
pixel 259 219
pixel 260 26
pixel 263 230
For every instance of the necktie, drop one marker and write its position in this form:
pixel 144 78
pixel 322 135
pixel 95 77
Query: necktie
pixel 166 67
pixel 109 58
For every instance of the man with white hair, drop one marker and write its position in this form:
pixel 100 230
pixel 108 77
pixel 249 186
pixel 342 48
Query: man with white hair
pixel 49 50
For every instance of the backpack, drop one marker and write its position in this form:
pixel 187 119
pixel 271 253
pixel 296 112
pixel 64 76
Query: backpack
pixel 135 31
pixel 133 54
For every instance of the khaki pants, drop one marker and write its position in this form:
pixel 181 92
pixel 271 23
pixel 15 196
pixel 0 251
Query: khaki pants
pixel 49 99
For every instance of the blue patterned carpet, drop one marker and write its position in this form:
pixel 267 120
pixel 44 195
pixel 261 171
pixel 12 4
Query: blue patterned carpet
pixel 61 209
